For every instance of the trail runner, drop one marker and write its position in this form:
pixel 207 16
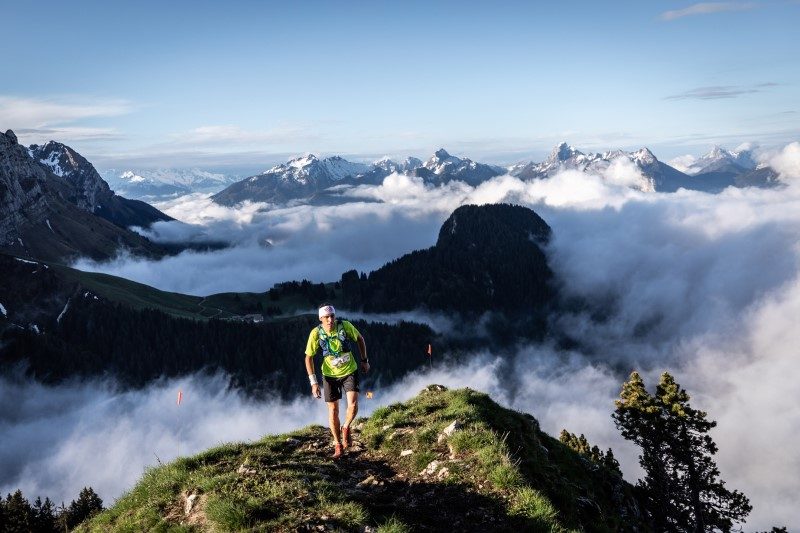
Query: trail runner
pixel 334 338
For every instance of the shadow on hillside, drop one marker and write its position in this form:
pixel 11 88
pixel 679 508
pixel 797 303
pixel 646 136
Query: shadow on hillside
pixel 427 505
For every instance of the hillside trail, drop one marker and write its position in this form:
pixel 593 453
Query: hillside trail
pixel 387 487
pixel 202 308
pixel 382 484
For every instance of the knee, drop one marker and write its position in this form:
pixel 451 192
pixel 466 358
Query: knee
pixel 354 404
pixel 333 408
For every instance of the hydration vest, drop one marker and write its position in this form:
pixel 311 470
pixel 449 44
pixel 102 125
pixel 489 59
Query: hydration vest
pixel 325 341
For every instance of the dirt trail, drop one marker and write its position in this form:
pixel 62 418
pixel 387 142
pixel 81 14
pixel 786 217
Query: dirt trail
pixel 379 483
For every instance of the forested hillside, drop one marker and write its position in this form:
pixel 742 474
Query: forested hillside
pixel 99 338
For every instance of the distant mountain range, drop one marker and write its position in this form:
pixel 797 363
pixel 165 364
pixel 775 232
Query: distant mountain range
pixel 55 205
pixel 308 176
pixel 722 168
pixel 164 183
pixel 315 180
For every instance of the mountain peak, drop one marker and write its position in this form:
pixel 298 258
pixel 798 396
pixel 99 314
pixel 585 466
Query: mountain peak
pixel 562 152
pixel 718 153
pixel 11 136
pixel 303 161
pixel 441 153
pixel 644 156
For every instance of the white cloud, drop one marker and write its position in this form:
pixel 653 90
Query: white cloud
pixel 224 134
pixel 16 112
pixel 623 172
pixel 707 8
pixel 682 162
pixel 787 162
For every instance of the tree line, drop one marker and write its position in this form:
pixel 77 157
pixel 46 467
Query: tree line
pixel 18 515
pixel 98 338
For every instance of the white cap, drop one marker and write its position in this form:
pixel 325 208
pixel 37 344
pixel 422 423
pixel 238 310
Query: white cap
pixel 326 310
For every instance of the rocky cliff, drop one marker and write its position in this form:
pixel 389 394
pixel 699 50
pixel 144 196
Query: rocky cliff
pixel 54 206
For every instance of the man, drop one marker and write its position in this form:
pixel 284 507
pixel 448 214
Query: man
pixel 339 370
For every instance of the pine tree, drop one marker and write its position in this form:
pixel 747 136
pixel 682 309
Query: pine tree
pixel 44 519
pixel 16 515
pixel 582 446
pixel 87 505
pixel 681 485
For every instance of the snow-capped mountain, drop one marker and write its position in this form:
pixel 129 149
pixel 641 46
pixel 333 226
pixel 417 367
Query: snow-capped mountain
pixel 443 167
pixel 66 163
pixel 309 177
pixel 721 168
pixel 162 183
pixel 55 205
pixel 301 177
pixel 655 175
pixel 406 166
pixel 718 159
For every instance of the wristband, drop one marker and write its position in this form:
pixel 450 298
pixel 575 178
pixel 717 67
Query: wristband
pixel 312 378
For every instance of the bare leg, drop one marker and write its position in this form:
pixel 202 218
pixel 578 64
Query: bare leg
pixel 352 408
pixel 333 419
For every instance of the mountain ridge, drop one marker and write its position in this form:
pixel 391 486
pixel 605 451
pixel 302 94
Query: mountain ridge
pixel 444 460
pixel 53 216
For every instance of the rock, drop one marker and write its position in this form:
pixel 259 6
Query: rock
pixel 405 453
pixel 386 427
pixel 245 471
pixel 449 430
pixel 292 442
pixel 443 473
pixel 187 508
pixel 401 431
pixel 434 388
pixel 11 136
pixel 369 480
pixel 432 467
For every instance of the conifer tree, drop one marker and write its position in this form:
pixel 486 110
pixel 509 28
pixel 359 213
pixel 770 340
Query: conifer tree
pixel 87 505
pixel 681 485
pixel 582 446
pixel 44 518
pixel 16 514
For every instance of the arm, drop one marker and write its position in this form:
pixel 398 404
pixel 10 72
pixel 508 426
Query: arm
pixel 311 372
pixel 362 347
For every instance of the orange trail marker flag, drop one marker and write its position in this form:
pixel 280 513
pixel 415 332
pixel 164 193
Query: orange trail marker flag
pixel 369 395
pixel 180 397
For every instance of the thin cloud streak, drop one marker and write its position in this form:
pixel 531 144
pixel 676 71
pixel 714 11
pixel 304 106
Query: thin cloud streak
pixel 707 8
pixel 37 113
pixel 719 92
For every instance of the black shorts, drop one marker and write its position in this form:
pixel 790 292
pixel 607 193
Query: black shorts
pixel 333 387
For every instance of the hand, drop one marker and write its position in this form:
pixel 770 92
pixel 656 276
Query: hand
pixel 315 392
pixel 365 366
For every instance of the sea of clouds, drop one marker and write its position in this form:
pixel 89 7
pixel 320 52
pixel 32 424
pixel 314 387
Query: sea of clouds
pixel 704 286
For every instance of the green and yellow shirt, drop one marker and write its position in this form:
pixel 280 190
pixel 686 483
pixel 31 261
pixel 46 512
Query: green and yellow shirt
pixel 338 358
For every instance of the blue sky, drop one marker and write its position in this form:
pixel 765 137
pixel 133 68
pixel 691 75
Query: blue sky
pixel 250 83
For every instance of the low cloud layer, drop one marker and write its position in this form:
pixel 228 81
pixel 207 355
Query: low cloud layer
pixel 705 286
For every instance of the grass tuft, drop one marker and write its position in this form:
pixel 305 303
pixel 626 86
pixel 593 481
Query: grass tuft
pixel 393 525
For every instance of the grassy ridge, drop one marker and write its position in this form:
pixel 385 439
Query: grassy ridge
pixel 220 305
pixel 496 471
